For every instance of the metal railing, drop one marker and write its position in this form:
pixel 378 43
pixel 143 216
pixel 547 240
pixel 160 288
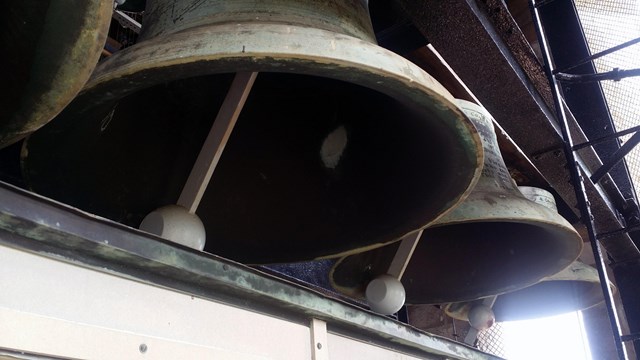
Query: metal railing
pixel 578 175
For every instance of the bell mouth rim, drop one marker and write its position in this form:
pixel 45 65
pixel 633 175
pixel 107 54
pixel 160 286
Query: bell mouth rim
pixel 230 47
pixel 520 209
pixel 545 219
pixel 534 213
pixel 338 57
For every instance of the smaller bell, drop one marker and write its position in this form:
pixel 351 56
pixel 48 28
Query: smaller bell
pixel 495 241
pixel 574 288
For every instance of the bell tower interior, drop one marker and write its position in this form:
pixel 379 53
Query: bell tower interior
pixel 392 171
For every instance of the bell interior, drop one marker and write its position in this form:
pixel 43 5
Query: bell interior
pixel 547 298
pixel 315 167
pixel 482 259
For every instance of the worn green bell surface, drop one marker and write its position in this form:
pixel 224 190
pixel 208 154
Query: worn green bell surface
pixel 342 145
pixel 493 242
pixel 49 49
pixel 575 288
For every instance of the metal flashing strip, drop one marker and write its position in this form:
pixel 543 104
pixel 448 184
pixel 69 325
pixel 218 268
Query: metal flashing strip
pixel 37 225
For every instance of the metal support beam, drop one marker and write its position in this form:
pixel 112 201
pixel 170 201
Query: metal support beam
pixel 599 55
pixel 606 138
pixel 631 337
pixel 578 182
pixel 616 158
pixel 615 75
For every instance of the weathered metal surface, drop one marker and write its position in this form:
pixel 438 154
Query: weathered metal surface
pixel 466 252
pixel 32 223
pixel 402 152
pixel 49 50
pixel 163 17
pixel 495 62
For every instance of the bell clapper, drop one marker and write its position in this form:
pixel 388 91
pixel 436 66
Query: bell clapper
pixel 385 294
pixel 176 223
pixel 179 223
pixel 481 317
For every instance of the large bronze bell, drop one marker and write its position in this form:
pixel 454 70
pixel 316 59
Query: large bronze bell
pixel 495 241
pixel 574 288
pixel 399 153
pixel 49 49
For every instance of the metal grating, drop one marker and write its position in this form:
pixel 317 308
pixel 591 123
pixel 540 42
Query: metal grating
pixel 608 23
pixel 121 34
pixel 492 340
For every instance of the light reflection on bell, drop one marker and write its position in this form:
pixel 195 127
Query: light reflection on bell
pixel 495 241
pixel 574 288
pixel 49 49
pixel 341 146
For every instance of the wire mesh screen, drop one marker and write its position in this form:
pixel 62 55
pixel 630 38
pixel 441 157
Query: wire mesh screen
pixel 608 23
pixel 121 34
pixel 124 34
pixel 492 340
